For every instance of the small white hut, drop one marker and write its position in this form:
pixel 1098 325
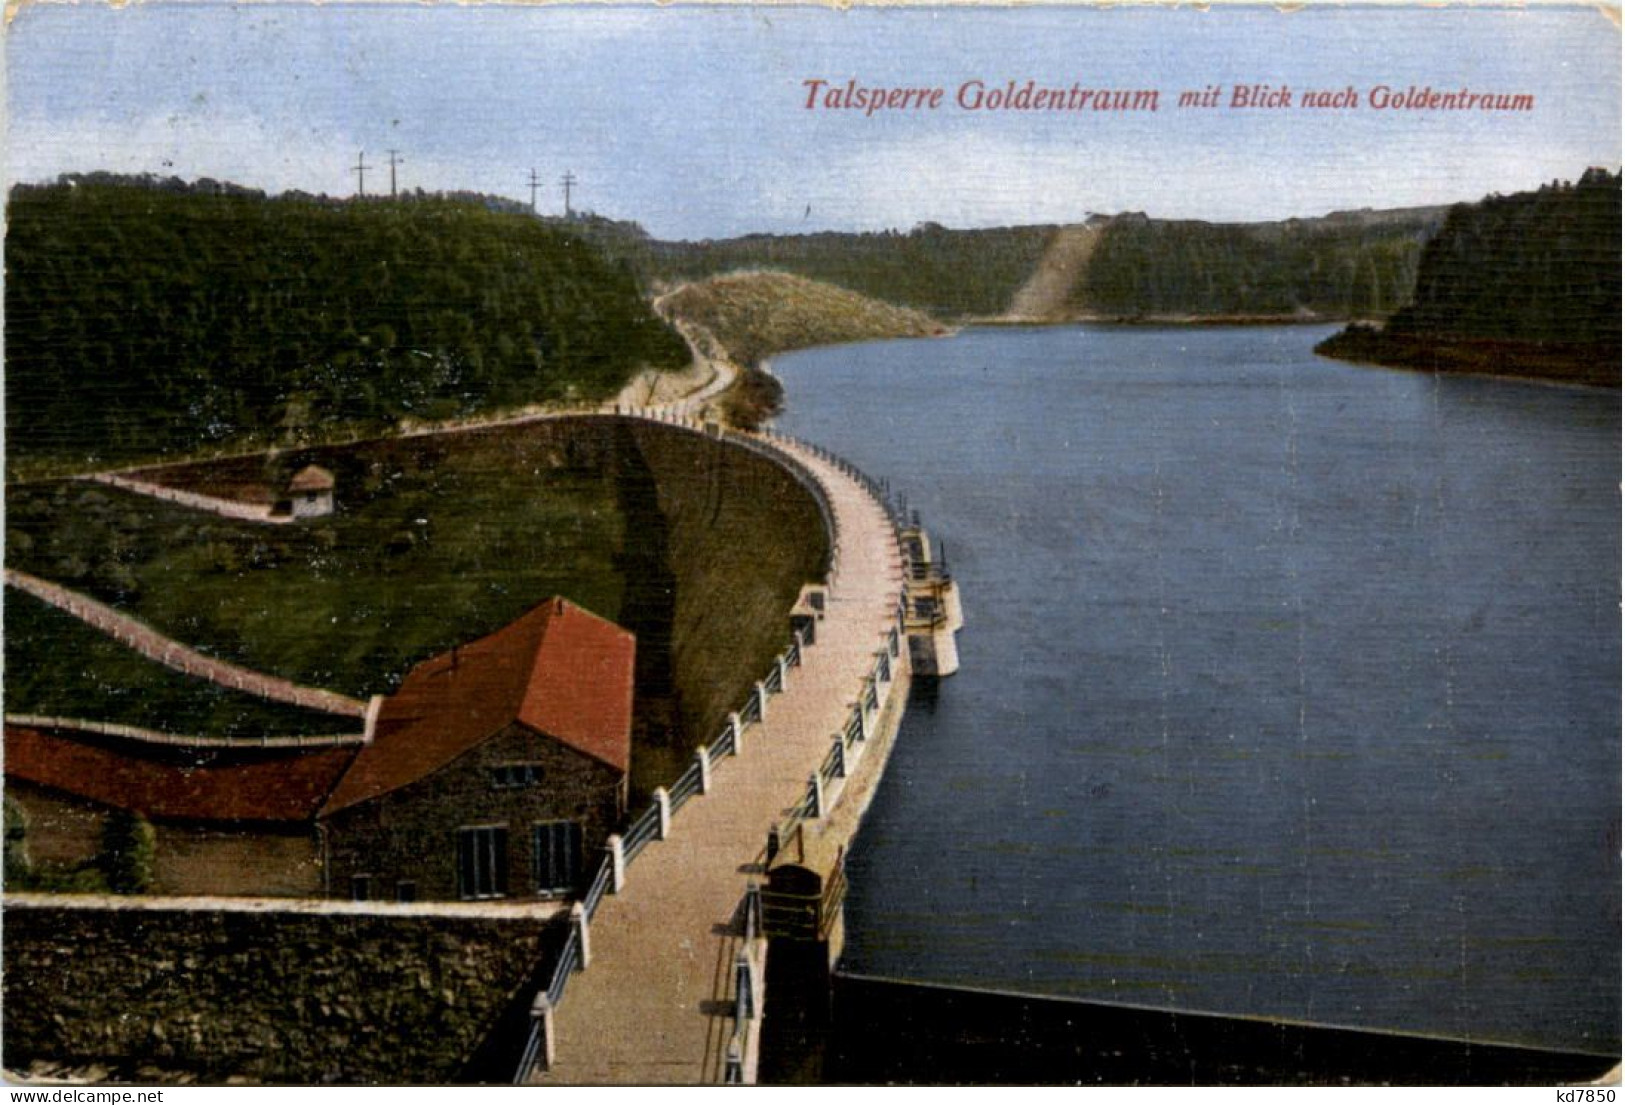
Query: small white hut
pixel 311 492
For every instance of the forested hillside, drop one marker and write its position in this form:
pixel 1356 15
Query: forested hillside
pixel 1348 265
pixel 1527 284
pixel 945 273
pixel 148 316
pixel 1354 265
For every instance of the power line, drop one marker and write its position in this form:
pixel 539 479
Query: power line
pixel 569 182
pixel 394 161
pixel 361 168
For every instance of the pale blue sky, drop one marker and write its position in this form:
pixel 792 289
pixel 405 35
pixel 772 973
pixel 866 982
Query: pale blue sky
pixel 692 120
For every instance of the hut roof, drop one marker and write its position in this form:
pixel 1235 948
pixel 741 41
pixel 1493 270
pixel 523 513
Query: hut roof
pixel 311 478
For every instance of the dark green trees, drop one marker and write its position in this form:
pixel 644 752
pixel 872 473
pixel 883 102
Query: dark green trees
pixel 146 317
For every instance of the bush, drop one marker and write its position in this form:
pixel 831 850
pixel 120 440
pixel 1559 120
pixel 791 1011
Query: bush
pixel 128 847
pixel 16 855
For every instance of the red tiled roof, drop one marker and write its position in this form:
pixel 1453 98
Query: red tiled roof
pixel 558 669
pixel 311 478
pixel 282 787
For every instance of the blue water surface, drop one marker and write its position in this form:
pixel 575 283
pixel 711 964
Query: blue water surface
pixel 1290 688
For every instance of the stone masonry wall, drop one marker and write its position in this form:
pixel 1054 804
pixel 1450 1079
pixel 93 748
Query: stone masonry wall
pixel 411 833
pixel 261 993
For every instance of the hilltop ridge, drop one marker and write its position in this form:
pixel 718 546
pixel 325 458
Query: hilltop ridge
pixel 149 316
pixel 1523 285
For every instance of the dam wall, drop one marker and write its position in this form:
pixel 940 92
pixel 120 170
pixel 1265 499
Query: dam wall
pixel 892 1031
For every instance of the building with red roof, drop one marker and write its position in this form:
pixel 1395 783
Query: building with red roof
pixel 495 769
pixel 492 772
pixel 227 821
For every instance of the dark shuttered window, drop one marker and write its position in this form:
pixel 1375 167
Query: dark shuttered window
pixel 482 862
pixel 557 856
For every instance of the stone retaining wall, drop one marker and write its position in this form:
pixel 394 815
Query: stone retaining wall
pixel 143 990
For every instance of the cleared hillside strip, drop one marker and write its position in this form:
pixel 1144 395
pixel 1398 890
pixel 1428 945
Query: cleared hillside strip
pixel 1044 297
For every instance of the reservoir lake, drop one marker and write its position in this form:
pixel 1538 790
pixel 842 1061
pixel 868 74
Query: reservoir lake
pixel 1289 688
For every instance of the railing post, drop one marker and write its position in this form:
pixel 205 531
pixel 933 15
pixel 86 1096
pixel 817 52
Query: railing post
pixel 702 756
pixel 753 910
pixel 784 673
pixel 775 842
pixel 734 1074
pixel 739 732
pixel 863 723
pixel 744 987
pixel 840 757
pixel 541 1015
pixel 578 918
pixel 663 800
pixel 617 862
pixel 817 795
pixel 761 699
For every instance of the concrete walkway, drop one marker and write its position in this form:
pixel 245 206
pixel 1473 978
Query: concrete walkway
pixel 653 1005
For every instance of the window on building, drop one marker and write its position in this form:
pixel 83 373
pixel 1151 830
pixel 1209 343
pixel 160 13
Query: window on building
pixel 406 891
pixel 556 856
pixel 509 776
pixel 482 862
pixel 361 888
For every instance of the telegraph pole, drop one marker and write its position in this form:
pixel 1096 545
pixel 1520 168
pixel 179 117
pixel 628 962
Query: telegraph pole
pixel 361 168
pixel 535 183
pixel 569 182
pixel 393 161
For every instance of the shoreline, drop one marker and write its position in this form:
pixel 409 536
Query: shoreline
pixel 1159 320
pixel 1591 367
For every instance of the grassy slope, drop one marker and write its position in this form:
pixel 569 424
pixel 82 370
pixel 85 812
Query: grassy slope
pixel 508 518
pixel 743 538
pixel 758 314
pixel 58 666
pixel 431 545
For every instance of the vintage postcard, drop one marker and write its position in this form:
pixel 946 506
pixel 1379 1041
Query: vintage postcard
pixel 584 544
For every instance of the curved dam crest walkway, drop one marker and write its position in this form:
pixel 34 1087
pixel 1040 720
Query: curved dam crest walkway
pixel 654 1005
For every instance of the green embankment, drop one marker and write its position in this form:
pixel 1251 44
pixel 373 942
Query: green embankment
pixel 435 541
pixel 1525 285
pixel 148 318
pixel 59 667
pixel 756 315
pixel 742 537
pixel 751 316
pixel 698 547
